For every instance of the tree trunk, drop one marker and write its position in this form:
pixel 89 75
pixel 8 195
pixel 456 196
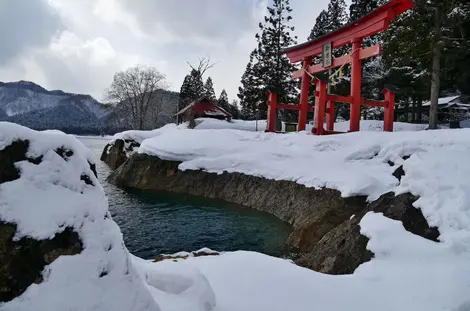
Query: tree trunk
pixel 436 70
pixel 413 110
pixel 420 109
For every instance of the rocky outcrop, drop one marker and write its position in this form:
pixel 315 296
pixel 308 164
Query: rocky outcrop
pixel 22 261
pixel 115 154
pixel 324 229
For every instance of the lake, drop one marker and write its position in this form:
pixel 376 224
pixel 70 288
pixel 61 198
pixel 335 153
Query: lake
pixel 156 223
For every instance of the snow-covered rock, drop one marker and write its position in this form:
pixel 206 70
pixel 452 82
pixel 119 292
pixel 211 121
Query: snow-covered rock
pixel 124 144
pixel 63 238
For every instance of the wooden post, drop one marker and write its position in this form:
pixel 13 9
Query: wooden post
pixel 272 111
pixel 320 103
pixel 330 116
pixel 356 77
pixel 304 94
pixel 389 115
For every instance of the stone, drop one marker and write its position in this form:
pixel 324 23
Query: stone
pixel 114 155
pixel 192 254
pixel 340 251
pixel 22 262
pixel 401 208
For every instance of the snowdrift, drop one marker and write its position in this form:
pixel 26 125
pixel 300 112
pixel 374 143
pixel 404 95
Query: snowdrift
pixel 53 206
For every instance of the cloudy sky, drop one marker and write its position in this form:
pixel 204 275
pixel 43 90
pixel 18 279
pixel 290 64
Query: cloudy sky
pixel 78 45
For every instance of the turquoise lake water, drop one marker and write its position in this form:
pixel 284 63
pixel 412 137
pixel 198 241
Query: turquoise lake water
pixel 161 223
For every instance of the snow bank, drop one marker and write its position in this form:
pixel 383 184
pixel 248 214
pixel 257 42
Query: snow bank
pixel 301 157
pixel 178 287
pixel 407 273
pixel 139 136
pixel 50 197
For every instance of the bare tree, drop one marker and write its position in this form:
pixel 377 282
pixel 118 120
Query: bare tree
pixel 135 92
pixel 203 65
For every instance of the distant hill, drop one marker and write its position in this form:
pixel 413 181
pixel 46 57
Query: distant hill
pixel 31 105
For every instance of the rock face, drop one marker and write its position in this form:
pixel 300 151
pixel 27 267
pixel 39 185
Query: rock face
pixel 22 262
pixel 115 154
pixel 324 232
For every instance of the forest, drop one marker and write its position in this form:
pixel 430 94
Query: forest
pixel 425 56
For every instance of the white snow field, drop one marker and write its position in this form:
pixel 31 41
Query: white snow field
pixel 407 273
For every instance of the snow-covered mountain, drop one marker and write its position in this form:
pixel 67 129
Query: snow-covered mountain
pixel 29 104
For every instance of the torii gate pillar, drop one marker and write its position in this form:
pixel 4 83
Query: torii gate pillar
pixel 356 84
pixel 354 33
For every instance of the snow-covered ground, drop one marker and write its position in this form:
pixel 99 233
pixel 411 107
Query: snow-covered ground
pixel 252 126
pixel 407 273
pixel 378 126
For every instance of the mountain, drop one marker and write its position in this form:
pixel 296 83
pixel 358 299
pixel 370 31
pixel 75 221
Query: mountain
pixel 31 105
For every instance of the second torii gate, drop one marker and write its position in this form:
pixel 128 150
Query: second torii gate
pixel 354 33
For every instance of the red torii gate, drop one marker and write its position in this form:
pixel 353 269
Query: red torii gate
pixel 377 21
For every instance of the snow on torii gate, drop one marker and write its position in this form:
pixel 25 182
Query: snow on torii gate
pixel 373 23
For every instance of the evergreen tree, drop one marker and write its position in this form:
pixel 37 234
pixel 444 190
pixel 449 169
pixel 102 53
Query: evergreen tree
pixel 337 16
pixel 234 110
pixel 321 26
pixel 268 67
pixel 360 8
pixel 222 102
pixel 192 88
pixel 209 89
pixel 186 95
pixel 425 46
pixel 196 84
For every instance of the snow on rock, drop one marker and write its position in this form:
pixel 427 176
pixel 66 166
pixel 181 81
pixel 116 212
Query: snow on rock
pixel 54 190
pixel 301 157
pixel 139 136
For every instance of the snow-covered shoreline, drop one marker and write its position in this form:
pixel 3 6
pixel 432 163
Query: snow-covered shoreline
pixel 407 273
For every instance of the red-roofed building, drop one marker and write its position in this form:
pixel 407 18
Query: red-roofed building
pixel 202 108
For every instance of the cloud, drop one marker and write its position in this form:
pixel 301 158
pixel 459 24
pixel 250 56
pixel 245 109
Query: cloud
pixel 77 46
pixel 201 21
pixel 25 24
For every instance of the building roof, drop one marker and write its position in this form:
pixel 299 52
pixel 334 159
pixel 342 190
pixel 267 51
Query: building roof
pixel 205 106
pixel 443 101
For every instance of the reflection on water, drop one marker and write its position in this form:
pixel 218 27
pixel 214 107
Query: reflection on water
pixel 154 223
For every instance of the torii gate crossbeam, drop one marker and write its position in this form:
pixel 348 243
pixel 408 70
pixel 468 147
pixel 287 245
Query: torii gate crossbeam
pixel 354 33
